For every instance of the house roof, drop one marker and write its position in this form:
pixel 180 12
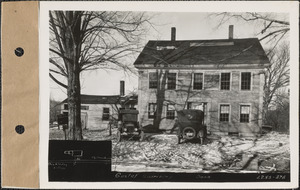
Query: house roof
pixel 112 99
pixel 202 52
pixel 95 99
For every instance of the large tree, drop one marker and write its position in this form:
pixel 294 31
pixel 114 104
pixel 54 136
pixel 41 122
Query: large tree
pixel 271 28
pixel 278 115
pixel 84 40
pixel 277 76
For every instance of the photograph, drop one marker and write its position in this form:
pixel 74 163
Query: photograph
pixel 168 96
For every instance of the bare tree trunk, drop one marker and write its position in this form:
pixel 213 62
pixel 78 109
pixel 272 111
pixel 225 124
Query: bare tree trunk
pixel 72 43
pixel 160 97
pixel 265 106
pixel 86 40
pixel 74 131
pixel 264 113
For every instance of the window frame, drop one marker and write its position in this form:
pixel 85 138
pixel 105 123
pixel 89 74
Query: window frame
pixel 230 76
pixel 167 82
pixel 251 80
pixel 193 80
pixel 154 113
pixel 66 106
pixel 240 109
pixel 173 112
pixel 189 105
pixel 104 115
pixel 229 114
pixel 149 86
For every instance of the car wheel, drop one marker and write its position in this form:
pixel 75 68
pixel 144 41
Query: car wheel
pixel 119 136
pixel 189 133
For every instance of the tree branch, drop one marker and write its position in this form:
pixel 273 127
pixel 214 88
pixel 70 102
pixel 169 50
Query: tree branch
pixel 57 81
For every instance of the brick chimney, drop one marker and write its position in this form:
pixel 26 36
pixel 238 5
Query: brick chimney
pixel 122 88
pixel 173 34
pixel 230 34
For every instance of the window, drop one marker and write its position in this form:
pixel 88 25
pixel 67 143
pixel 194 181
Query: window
pixel 246 81
pixel 84 107
pixel 189 105
pixel 151 110
pixel 171 83
pixel 198 81
pixel 225 81
pixel 244 113
pixel 224 112
pixel 66 106
pixel 153 80
pixel 170 111
pixel 105 115
pixel 211 81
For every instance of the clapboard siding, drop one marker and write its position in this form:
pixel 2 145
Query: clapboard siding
pixel 184 92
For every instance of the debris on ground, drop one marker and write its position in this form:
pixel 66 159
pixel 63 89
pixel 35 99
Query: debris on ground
pixel 160 152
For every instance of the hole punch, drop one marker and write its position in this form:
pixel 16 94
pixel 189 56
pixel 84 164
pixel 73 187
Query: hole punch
pixel 19 51
pixel 20 129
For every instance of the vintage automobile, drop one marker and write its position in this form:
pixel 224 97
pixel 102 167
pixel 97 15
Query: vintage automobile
pixel 190 125
pixel 128 125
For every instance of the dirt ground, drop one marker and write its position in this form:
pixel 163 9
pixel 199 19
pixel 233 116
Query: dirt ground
pixel 161 153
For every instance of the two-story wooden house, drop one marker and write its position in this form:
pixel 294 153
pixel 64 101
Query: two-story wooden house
pixel 222 77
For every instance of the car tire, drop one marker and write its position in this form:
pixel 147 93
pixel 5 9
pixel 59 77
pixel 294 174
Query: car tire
pixel 186 130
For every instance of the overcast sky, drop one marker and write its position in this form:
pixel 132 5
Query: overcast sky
pixel 189 26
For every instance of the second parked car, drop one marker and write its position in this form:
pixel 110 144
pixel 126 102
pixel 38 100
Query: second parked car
pixel 128 125
pixel 190 125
